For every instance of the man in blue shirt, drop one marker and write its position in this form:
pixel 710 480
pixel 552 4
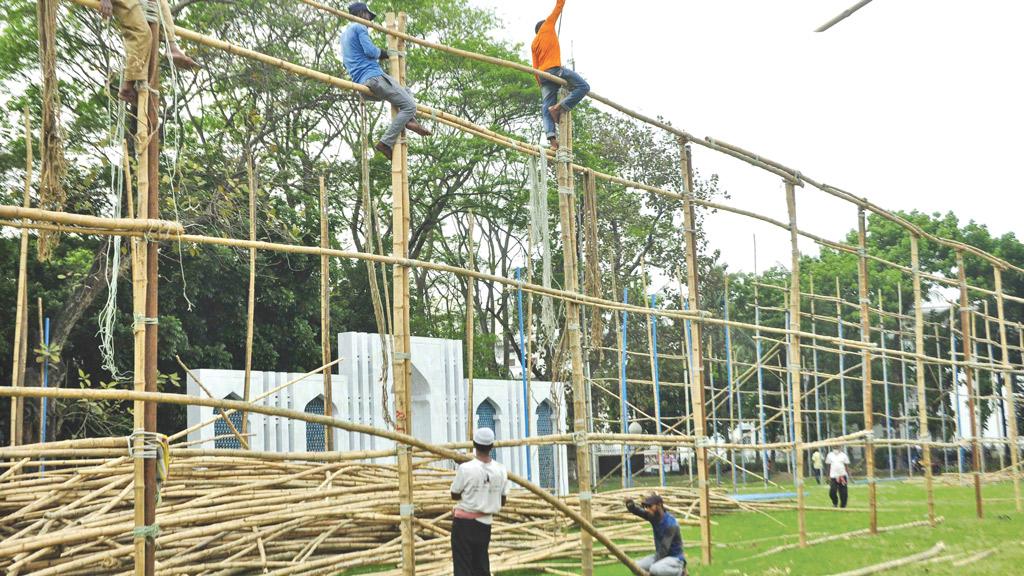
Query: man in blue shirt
pixel 668 558
pixel 361 57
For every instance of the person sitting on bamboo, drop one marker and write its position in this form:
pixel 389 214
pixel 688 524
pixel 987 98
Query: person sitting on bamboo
pixel 547 56
pixel 361 57
pixel 668 558
pixel 131 19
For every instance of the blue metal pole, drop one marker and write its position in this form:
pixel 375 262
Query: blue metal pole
pixel 624 394
pixel 46 381
pixel 842 358
pixel 657 388
pixel 729 376
pixel 522 365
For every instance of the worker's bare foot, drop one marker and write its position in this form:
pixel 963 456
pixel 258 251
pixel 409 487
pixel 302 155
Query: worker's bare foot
pixel 182 60
pixel 556 113
pixel 128 92
pixel 418 128
pixel 384 150
pixel 553 143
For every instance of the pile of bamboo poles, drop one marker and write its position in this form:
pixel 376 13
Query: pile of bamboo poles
pixel 231 515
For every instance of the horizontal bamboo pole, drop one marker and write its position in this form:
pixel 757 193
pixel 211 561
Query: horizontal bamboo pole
pixel 95 222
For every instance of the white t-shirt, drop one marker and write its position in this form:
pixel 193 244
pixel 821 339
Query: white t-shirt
pixel 481 486
pixel 837 462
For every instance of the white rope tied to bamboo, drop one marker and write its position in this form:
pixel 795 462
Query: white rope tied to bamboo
pixel 537 169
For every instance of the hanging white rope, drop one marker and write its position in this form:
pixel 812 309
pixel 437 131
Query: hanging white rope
pixel 538 181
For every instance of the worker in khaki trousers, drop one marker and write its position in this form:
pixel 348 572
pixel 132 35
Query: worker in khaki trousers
pixel 131 19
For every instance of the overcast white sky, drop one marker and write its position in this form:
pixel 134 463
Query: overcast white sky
pixel 912 103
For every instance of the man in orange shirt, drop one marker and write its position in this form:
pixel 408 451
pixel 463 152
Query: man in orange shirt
pixel 547 56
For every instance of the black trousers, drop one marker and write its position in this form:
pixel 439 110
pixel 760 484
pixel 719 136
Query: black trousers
pixel 837 492
pixel 470 541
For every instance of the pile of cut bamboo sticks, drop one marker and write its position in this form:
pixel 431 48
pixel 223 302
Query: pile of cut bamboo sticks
pixel 231 515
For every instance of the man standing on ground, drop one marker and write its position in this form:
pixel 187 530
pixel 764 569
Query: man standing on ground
pixel 816 465
pixel 481 487
pixel 361 57
pixel 668 558
pixel 547 56
pixel 838 476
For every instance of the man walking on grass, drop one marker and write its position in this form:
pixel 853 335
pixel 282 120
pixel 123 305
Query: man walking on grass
pixel 668 558
pixel 361 57
pixel 838 476
pixel 481 487
pixel 547 56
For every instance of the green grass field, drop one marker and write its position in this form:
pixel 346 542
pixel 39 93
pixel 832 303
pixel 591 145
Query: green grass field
pixel 740 536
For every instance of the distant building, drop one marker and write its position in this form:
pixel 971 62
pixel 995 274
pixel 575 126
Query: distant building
pixel 439 407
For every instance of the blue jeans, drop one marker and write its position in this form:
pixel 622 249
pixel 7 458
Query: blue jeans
pixel 577 86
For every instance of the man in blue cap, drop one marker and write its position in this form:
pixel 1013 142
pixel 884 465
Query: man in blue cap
pixel 361 58
pixel 668 558
pixel 481 486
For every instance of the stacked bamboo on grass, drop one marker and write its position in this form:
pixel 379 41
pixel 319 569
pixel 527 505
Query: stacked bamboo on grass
pixel 231 515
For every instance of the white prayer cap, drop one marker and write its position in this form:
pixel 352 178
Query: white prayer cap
pixel 483 437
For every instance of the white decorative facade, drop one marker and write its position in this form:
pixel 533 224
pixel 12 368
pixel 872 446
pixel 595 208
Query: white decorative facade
pixel 439 407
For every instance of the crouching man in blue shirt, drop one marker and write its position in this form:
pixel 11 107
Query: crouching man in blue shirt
pixel 361 58
pixel 668 558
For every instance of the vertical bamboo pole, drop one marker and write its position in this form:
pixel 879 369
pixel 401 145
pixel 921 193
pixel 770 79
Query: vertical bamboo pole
pixel 153 281
pixel 140 291
pixel 996 397
pixel 566 207
pixel 696 354
pixel 882 341
pixel 794 362
pixel 627 473
pixel 942 398
pixel 21 311
pixel 325 313
pixel 842 357
pixel 251 309
pixel 976 356
pixel 865 338
pixel 965 322
pixel 922 405
pixel 903 379
pixel 1009 404
pixel 470 330
pixel 402 366
pixel 733 389
pixel 814 365
pixel 957 405
pixel 714 412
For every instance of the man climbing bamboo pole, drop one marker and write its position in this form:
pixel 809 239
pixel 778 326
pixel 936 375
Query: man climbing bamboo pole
pixel 547 56
pixel 131 19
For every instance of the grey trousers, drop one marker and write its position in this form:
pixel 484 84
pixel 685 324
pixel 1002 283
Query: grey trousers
pixel 386 88
pixel 667 566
